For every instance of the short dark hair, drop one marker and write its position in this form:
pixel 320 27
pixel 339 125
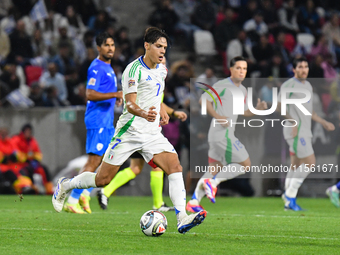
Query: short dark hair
pixel 26 126
pixel 102 37
pixel 296 61
pixel 235 59
pixel 152 34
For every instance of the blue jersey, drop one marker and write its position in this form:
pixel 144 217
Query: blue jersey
pixel 101 78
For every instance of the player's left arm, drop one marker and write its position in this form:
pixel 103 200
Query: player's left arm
pixel 326 124
pixel 261 105
pixel 164 115
pixel 181 115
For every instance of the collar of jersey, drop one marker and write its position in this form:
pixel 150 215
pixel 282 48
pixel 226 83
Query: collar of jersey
pixel 143 64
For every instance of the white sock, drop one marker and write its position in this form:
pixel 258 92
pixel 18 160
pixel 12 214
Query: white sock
pixel 177 194
pixel 335 189
pixel 199 190
pixel 288 178
pixel 229 172
pixel 298 177
pixel 82 181
pixel 86 192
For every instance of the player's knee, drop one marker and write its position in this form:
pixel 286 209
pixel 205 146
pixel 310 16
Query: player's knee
pixel 102 181
pixel 136 170
pixel 176 168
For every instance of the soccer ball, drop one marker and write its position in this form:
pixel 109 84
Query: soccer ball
pixel 153 223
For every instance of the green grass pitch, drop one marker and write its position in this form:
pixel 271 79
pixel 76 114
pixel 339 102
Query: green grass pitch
pixel 233 226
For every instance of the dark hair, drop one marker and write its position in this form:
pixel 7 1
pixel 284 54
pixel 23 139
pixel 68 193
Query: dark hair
pixel 235 59
pixel 152 34
pixel 26 126
pixel 102 37
pixel 296 61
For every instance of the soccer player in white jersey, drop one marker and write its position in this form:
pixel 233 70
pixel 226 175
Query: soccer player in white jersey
pixel 299 135
pixel 224 148
pixel 138 129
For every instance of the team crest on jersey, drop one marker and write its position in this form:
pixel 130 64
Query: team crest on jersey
pixel 132 83
pixel 92 81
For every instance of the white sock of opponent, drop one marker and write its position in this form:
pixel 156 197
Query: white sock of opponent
pixel 199 190
pixel 82 181
pixel 177 194
pixel 288 178
pixel 298 177
pixel 232 170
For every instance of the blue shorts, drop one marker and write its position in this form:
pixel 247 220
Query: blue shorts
pixel 97 140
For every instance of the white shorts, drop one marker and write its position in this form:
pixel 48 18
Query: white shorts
pixel 300 146
pixel 227 150
pixel 121 148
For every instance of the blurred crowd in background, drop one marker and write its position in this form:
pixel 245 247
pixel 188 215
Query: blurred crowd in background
pixel 44 61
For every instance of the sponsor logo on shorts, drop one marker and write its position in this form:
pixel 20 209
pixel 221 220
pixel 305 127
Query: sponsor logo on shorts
pixel 92 81
pixel 132 83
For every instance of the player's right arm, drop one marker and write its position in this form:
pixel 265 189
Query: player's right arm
pixel 210 109
pixel 134 109
pixel 94 95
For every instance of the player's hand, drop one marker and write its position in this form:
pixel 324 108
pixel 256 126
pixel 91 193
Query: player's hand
pixel 223 121
pixel 328 126
pixel 119 94
pixel 119 101
pixel 294 131
pixel 180 115
pixel 261 105
pixel 151 114
pixel 164 117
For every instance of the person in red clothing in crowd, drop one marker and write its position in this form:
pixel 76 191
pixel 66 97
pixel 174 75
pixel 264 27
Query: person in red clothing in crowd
pixel 11 162
pixel 27 144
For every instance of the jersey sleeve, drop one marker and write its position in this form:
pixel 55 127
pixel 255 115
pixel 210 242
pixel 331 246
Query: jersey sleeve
pixel 94 76
pixel 131 78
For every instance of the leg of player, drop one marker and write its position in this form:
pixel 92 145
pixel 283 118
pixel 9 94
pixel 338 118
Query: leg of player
pixel 156 185
pixel 169 162
pixel 333 194
pixel 79 199
pixel 295 163
pixel 122 177
pixel 300 174
pixel 105 174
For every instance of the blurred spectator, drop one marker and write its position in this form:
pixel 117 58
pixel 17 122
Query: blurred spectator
pixel 87 9
pixel 38 45
pixel 124 42
pixel 5 46
pixel 332 32
pixel 288 17
pixel 8 23
pixel 76 25
pixel 63 60
pixel 52 99
pixel 226 30
pixel 315 70
pixel 308 19
pixel 21 49
pixel 164 17
pixel 63 39
pixel 91 55
pixel 119 59
pixel 208 77
pixel 9 76
pixel 320 47
pixel 5 5
pixel 255 27
pixel 276 68
pixel 28 145
pixel 179 85
pixel 36 94
pixel 328 68
pixel 263 51
pixel 24 6
pixel 50 26
pixel 248 12
pixel 266 92
pixel 184 10
pixel 88 39
pixel 269 16
pixel 53 78
pixel 72 81
pixel 100 23
pixel 79 95
pixel 280 47
pixel 204 15
pixel 241 46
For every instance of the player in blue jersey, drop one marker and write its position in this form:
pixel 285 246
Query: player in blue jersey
pixel 101 92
